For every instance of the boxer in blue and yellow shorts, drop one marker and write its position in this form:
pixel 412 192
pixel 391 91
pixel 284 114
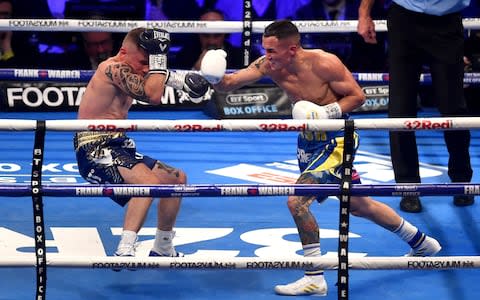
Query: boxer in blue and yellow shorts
pixel 320 154
pixel 320 87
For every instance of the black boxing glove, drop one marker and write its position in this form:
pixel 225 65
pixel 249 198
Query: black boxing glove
pixel 192 83
pixel 195 85
pixel 156 42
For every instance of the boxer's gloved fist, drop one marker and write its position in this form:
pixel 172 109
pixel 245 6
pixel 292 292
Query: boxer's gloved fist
pixel 214 65
pixel 307 110
pixel 156 43
pixel 192 83
pixel 195 85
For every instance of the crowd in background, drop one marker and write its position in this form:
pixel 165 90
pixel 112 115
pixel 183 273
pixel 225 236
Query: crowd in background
pixel 56 49
pixel 75 50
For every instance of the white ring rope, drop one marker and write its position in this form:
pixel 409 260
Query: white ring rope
pixel 310 26
pixel 171 26
pixel 450 123
pixel 327 263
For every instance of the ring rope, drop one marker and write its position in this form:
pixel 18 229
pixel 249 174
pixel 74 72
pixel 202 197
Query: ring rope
pixel 269 125
pixel 307 26
pixel 86 75
pixel 327 263
pixel 227 190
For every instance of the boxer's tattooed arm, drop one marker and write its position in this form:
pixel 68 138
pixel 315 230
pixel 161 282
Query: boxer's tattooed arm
pixel 259 62
pixel 258 65
pixel 123 76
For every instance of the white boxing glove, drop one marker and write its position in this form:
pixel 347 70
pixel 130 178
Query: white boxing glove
pixel 307 110
pixel 214 65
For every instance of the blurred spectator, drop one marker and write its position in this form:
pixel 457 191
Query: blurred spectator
pixel 111 9
pixel 6 51
pixel 85 52
pixel 33 42
pixel 190 56
pixel 154 10
pixel 57 8
pixel 472 65
pixel 82 50
pixel 25 9
pixel 181 10
pixel 349 47
pixel 97 46
pixel 16 52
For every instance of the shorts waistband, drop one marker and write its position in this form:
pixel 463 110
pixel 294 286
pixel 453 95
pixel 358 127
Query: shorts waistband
pixel 87 137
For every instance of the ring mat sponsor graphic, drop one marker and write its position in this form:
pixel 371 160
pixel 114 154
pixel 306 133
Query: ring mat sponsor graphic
pixel 373 168
pixel 88 241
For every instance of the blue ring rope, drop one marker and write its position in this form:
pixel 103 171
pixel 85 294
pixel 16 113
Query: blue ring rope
pixel 85 76
pixel 227 190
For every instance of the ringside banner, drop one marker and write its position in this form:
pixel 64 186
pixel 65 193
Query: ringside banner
pixel 376 99
pixel 258 101
pixel 63 96
pixel 268 101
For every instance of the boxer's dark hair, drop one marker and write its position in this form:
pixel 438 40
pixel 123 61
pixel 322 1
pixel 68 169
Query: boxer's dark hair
pixel 281 29
pixel 134 35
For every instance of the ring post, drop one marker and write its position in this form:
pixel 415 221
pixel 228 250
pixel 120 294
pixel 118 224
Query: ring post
pixel 345 188
pixel 39 226
pixel 247 31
